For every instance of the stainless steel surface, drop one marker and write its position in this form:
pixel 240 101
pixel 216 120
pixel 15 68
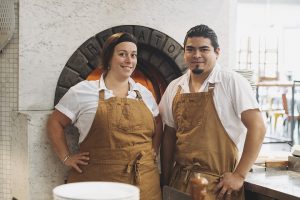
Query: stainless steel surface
pixel 277 184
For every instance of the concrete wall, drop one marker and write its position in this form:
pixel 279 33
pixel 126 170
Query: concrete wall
pixel 36 169
pixel 51 30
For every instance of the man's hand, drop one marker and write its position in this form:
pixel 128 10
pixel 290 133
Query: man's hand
pixel 229 183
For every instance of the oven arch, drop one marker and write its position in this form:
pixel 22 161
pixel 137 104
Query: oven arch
pixel 160 59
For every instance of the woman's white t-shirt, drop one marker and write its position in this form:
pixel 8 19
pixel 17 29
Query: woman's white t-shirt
pixel 80 103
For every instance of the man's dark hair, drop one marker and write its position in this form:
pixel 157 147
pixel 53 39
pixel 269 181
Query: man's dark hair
pixel 202 31
pixel 110 44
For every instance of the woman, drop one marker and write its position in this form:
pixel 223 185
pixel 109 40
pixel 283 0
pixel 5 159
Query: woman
pixel 119 136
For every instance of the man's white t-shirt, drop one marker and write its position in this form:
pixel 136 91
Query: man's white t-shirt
pixel 232 95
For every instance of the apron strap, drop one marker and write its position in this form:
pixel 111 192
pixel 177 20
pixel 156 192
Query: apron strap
pixel 175 99
pixel 196 167
pixel 138 94
pixel 211 86
pixel 101 95
pixel 178 90
pixel 134 165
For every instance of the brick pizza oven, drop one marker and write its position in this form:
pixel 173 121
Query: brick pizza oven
pixel 160 60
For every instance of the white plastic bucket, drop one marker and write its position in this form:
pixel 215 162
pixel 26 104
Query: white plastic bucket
pixel 96 191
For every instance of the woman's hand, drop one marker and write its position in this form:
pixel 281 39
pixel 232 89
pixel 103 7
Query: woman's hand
pixel 77 159
pixel 229 183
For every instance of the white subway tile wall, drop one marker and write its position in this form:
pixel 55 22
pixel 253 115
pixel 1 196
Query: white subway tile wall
pixel 9 72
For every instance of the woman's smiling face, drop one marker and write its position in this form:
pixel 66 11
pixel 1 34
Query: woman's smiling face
pixel 124 59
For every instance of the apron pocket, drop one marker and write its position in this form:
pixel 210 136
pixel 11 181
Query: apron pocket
pixel 115 173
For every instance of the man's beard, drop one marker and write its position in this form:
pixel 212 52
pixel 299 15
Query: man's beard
pixel 197 70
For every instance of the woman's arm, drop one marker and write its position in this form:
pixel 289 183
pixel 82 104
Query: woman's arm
pixel 55 127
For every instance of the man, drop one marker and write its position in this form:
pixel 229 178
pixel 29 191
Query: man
pixel 208 112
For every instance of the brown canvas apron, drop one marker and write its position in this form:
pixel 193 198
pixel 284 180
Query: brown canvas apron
pixel 120 146
pixel 202 142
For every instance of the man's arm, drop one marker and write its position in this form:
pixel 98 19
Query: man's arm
pixel 56 124
pixel 167 153
pixel 157 135
pixel 253 121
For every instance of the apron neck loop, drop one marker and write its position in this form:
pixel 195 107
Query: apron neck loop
pixel 138 94
pixel 178 90
pixel 211 87
pixel 101 95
